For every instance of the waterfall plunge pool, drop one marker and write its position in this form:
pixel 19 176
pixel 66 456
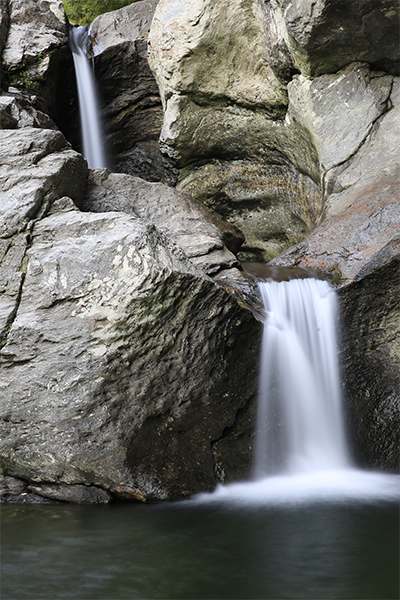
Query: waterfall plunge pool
pixel 308 526
pixel 338 550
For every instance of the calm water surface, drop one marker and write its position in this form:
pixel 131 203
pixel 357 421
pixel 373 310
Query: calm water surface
pixel 318 550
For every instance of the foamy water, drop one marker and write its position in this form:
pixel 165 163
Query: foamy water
pixel 301 453
pixel 344 485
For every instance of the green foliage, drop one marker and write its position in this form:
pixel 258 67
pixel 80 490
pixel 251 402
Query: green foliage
pixel 84 11
pixel 4 335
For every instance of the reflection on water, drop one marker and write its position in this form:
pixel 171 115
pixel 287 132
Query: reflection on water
pixel 189 550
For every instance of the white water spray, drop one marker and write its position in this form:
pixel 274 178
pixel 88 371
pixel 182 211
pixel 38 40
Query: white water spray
pixel 91 131
pixel 300 424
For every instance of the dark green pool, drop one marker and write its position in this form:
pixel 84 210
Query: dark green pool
pixel 323 551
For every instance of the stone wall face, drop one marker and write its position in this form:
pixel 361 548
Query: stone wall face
pixel 260 123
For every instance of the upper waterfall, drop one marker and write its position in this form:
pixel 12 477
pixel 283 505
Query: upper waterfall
pixel 88 106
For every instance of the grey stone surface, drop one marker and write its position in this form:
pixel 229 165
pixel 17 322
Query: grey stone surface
pixel 274 205
pixel 362 210
pixel 35 27
pixel 119 338
pixel 323 36
pixel 339 110
pixel 204 236
pixel 36 166
pixel 110 332
pixel 220 134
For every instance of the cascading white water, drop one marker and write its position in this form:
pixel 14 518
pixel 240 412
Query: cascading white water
pixel 300 424
pixel 91 130
pixel 300 447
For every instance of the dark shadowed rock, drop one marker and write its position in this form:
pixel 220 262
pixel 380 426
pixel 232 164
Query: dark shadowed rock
pixel 130 101
pixel 324 36
pixel 19 110
pixel 370 358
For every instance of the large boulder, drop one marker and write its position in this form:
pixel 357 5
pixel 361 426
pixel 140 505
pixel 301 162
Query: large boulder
pixel 224 125
pixel 122 364
pixel 121 361
pixel 130 102
pixel 323 36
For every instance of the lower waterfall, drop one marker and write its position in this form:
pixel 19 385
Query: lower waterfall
pixel 299 423
pixel 300 450
pixel 88 107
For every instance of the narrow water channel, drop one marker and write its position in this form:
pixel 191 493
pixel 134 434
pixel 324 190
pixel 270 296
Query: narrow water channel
pixel 336 550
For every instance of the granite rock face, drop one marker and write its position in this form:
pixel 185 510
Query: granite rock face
pixel 326 35
pixel 362 209
pixel 256 123
pixel 121 360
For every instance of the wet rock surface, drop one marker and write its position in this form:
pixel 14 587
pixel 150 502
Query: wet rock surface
pixel 370 358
